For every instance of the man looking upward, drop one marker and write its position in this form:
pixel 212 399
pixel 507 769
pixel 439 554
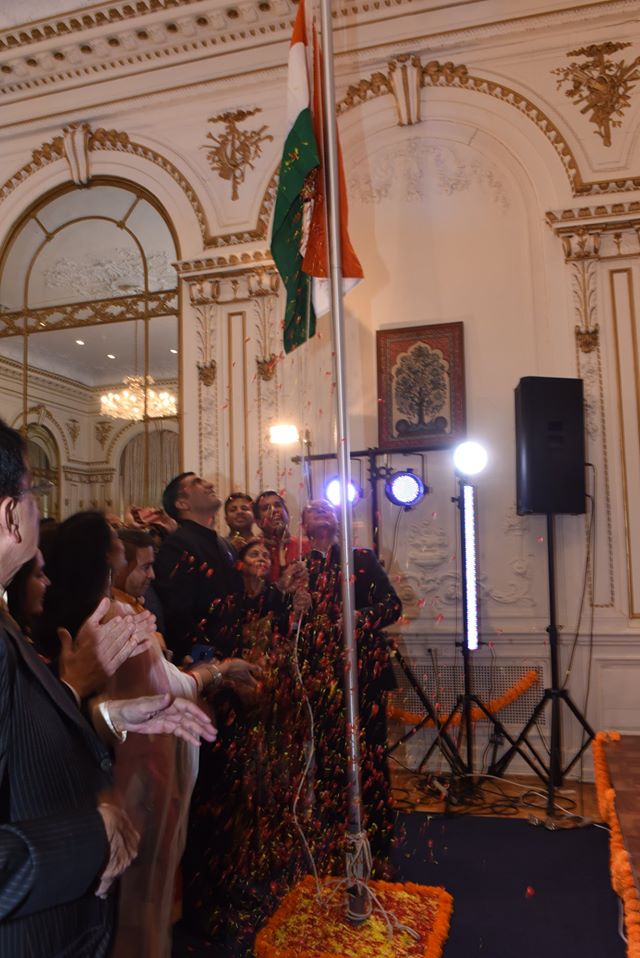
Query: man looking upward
pixel 195 571
pixel 272 518
pixel 238 514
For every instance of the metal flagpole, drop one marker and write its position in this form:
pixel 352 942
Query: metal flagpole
pixel 357 858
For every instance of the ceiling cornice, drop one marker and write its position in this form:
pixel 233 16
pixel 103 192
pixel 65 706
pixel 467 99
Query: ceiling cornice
pixel 123 38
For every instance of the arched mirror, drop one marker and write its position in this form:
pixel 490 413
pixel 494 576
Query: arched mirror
pixel 89 340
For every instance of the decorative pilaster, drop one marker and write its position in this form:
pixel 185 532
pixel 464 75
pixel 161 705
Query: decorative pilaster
pixel 237 367
pixel 204 295
pixel 584 246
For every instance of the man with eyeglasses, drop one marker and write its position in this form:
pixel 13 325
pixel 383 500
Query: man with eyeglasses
pixel 63 842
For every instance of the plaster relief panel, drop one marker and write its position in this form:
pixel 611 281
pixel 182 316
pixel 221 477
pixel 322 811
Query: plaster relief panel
pixel 406 172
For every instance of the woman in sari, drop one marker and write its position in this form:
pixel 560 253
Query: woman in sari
pixel 154 775
pixel 242 838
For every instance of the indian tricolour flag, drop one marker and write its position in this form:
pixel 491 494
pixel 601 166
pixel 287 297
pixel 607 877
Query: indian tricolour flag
pixel 299 241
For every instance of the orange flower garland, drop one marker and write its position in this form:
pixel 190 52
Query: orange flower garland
pixel 501 702
pixel 303 927
pixel 622 879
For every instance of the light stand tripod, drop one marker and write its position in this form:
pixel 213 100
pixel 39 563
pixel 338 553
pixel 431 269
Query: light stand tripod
pixel 551 772
pixel 467 701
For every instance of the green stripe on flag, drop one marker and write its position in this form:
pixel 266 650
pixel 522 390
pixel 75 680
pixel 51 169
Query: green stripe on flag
pixel 299 158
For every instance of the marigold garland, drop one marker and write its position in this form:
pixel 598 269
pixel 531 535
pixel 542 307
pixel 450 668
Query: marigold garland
pixel 622 878
pixel 304 928
pixel 495 705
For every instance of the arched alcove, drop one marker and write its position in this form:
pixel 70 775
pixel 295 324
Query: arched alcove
pixel 44 460
pixel 164 461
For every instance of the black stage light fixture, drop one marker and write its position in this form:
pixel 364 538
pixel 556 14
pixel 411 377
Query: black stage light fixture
pixel 404 489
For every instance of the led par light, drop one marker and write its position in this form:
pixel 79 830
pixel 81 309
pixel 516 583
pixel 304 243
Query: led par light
pixel 332 492
pixel 404 489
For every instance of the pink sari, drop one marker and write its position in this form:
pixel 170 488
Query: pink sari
pixel 154 775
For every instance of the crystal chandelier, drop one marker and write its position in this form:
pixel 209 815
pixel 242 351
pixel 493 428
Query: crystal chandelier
pixel 129 402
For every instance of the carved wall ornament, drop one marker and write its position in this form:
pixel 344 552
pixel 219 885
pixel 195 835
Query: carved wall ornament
pixel 584 279
pixel 267 367
pixel 234 151
pixel 407 171
pixel 588 339
pixel 263 286
pixel 103 430
pixel 581 244
pixel 76 150
pixel 405 78
pixel 73 428
pixel 600 85
pixel 583 247
pixel 449 74
pixel 207 372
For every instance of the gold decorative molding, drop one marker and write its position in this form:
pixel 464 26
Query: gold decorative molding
pixel 588 339
pixel 207 264
pixel 88 475
pixel 598 211
pixel 581 244
pixel 582 249
pixel 207 372
pixel 103 430
pixel 73 428
pixel 263 286
pixel 235 150
pixel 448 74
pixel 65 25
pixel 601 84
pixel 117 309
pixel 39 413
pixel 117 141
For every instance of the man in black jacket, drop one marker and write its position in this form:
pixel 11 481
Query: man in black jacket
pixel 196 577
pixel 58 845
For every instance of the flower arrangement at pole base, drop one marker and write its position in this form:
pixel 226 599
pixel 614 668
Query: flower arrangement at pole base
pixel 622 876
pixel 306 927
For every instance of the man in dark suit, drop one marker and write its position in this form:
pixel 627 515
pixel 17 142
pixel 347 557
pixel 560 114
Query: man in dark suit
pixel 196 577
pixel 58 844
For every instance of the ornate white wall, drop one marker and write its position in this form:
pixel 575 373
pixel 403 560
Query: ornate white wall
pixel 479 192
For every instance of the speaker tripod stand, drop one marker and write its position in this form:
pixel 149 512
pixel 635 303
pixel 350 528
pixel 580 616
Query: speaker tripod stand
pixel 551 771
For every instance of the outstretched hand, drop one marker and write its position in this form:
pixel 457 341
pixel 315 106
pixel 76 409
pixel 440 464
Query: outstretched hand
pixel 163 715
pixel 98 650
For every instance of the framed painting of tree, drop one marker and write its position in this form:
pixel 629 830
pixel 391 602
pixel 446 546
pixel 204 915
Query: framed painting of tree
pixel 421 399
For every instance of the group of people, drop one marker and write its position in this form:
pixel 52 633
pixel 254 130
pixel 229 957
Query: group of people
pixel 166 629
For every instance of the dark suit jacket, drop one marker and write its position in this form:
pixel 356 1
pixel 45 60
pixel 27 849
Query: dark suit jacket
pixel 196 580
pixel 52 840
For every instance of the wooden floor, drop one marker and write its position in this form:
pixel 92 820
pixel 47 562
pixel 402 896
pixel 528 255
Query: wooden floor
pixel 511 797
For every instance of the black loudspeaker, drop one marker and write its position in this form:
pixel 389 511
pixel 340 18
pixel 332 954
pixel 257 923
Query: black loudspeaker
pixel 550 446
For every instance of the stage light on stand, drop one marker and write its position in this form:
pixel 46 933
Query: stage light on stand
pixel 469 458
pixel 468 510
pixel 404 489
pixel 283 434
pixel 332 492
